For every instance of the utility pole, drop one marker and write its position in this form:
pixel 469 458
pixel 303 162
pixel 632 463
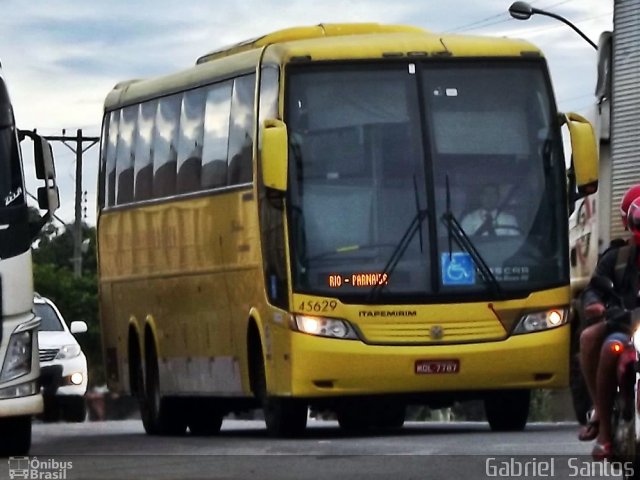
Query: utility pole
pixel 79 140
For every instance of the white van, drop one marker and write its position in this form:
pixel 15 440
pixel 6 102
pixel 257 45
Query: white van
pixel 63 365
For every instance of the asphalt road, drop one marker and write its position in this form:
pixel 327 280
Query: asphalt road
pixel 121 450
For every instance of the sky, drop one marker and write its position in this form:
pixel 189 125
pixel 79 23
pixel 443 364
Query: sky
pixel 60 59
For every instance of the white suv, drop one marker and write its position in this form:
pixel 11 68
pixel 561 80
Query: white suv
pixel 63 366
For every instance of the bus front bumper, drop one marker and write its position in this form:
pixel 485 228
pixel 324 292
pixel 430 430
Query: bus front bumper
pixel 324 367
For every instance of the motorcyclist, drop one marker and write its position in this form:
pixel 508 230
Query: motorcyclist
pixel 597 359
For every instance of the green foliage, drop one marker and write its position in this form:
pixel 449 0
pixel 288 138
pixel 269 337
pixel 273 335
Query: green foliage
pixel 76 298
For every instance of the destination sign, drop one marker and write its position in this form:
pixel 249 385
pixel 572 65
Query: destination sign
pixel 361 279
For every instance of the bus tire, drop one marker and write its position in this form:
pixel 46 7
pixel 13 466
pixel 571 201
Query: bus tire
pixel 160 415
pixel 353 420
pixel 366 414
pixel 15 439
pixel 507 411
pixel 204 418
pixel 391 416
pixel 284 417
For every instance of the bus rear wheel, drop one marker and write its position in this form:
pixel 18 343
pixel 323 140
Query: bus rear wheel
pixel 205 418
pixel 160 415
pixel 507 411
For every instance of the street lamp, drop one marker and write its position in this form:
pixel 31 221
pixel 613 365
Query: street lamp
pixel 523 11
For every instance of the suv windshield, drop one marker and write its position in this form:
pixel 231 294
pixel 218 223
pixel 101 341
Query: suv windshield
pixel 374 146
pixel 49 320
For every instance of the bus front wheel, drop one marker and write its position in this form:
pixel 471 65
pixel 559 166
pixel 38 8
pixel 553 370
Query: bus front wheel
pixel 507 411
pixel 284 417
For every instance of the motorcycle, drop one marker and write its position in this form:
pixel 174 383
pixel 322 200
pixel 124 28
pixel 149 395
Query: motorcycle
pixel 625 344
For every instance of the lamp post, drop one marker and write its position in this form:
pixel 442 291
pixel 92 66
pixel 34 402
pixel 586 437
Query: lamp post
pixel 523 11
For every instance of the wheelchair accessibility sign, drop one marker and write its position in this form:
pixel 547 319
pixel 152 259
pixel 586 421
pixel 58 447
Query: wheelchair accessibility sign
pixel 458 269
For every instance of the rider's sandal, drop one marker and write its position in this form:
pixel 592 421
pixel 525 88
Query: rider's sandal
pixel 590 430
pixel 601 452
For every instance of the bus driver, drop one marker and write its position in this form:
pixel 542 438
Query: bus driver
pixel 488 220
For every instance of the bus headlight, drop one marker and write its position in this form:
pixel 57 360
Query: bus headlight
pixel 17 361
pixel 324 327
pixel 537 321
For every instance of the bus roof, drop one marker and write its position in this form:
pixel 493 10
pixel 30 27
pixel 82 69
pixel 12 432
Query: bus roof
pixel 308 32
pixel 322 42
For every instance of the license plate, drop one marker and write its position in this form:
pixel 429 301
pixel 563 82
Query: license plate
pixel 434 367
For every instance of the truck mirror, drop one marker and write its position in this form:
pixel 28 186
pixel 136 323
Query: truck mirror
pixel 43 156
pixel 274 155
pixel 48 198
pixel 585 154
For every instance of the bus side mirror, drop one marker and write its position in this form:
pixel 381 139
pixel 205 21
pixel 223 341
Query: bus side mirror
pixel 585 154
pixel 274 155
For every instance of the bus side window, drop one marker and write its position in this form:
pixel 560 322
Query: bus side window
pixel 165 146
pixel 216 136
pixel 103 161
pixel 241 130
pixel 124 155
pixel 110 170
pixel 143 160
pixel 190 141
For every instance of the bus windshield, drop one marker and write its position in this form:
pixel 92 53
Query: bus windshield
pixel 382 155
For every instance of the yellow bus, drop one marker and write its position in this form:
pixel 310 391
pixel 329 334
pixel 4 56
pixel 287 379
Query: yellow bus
pixel 293 223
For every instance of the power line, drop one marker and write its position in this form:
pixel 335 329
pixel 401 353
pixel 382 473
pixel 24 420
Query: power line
pixel 479 27
pixel 554 5
pixel 496 20
pixel 466 25
pixel 556 27
pixel 491 19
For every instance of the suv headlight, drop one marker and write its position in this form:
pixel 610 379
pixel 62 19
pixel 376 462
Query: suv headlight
pixel 17 361
pixel 324 327
pixel 544 320
pixel 68 351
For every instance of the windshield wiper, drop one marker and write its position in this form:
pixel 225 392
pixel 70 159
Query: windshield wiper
pixel 457 233
pixel 414 227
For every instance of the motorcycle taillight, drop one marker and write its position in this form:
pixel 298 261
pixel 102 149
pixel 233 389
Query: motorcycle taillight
pixel 616 347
